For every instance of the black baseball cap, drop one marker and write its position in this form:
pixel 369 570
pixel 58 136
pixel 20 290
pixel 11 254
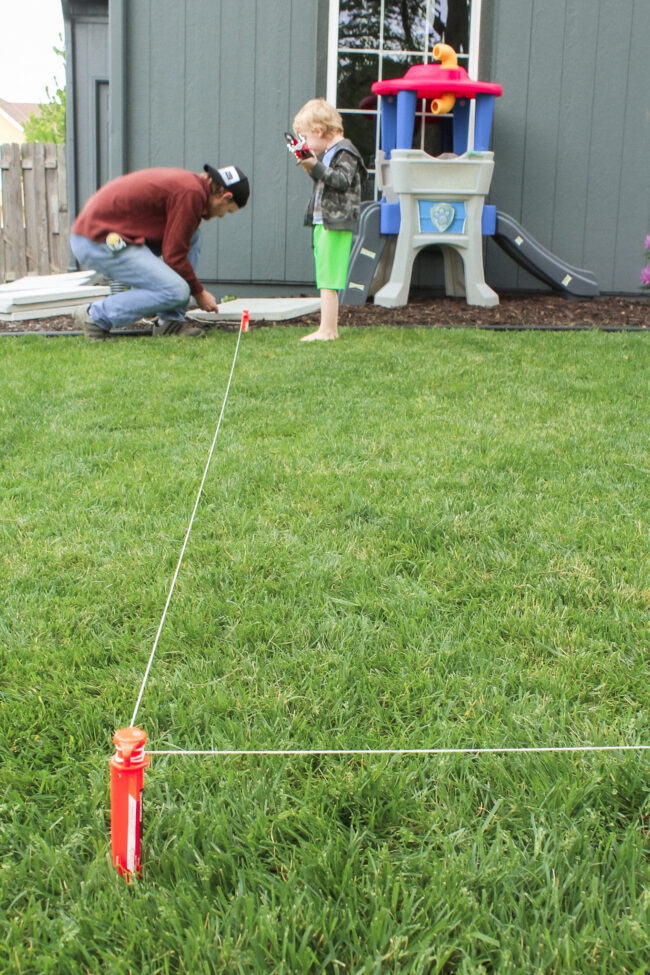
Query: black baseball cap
pixel 233 180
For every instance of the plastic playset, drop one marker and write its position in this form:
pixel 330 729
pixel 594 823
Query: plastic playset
pixel 441 199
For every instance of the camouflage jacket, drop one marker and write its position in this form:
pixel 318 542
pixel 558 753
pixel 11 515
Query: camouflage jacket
pixel 341 185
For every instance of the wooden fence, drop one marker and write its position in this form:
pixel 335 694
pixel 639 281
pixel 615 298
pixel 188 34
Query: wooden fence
pixel 34 226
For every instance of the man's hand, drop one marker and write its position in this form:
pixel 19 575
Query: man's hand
pixel 206 301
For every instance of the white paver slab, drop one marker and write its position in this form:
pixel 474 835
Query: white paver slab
pixel 21 306
pixel 48 295
pixel 268 309
pixel 23 299
pixel 49 282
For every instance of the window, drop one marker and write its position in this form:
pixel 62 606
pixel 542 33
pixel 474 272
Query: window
pixel 375 39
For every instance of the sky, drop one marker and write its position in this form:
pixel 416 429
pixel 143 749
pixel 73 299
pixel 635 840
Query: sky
pixel 29 29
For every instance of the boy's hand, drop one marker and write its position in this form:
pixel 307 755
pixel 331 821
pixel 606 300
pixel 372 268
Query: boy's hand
pixel 309 163
pixel 206 301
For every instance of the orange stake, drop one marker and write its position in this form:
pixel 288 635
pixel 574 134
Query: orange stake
pixel 127 774
pixel 244 321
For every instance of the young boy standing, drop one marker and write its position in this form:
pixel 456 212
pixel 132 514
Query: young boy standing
pixel 333 210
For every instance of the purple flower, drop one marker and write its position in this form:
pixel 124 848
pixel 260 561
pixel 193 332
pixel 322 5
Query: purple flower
pixel 645 276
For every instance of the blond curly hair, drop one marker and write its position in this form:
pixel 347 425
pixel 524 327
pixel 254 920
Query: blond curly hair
pixel 320 115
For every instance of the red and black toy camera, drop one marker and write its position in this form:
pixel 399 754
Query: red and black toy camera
pixel 297 146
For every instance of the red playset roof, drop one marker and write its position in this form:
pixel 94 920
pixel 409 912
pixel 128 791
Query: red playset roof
pixel 432 80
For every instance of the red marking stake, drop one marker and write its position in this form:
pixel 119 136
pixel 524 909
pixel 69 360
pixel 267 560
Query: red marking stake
pixel 127 774
pixel 244 320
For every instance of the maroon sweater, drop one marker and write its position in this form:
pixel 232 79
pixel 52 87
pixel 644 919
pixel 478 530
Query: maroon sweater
pixel 163 207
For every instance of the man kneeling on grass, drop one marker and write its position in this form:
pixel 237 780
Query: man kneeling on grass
pixel 128 224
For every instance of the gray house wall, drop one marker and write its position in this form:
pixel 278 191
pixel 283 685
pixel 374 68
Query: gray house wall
pixel 571 132
pixel 87 116
pixel 219 81
pixel 195 81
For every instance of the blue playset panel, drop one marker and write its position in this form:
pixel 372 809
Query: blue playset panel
pixel 390 217
pixel 489 220
pixel 441 217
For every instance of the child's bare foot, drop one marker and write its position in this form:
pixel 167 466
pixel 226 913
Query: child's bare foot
pixel 319 336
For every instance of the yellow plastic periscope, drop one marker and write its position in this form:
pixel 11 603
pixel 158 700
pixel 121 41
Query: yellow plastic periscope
pixel 447 56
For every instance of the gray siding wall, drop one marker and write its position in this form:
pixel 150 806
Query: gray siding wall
pixel 219 81
pixel 87 72
pixel 571 132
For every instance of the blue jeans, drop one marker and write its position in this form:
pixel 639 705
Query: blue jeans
pixel 155 288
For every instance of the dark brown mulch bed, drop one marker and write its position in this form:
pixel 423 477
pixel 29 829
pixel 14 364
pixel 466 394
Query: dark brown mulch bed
pixel 515 311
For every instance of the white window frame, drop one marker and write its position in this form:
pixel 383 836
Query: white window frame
pixel 333 44
pixel 333 51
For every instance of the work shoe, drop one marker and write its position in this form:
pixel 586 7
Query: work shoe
pixel 91 329
pixel 172 326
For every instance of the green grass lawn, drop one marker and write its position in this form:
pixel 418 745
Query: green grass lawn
pixel 406 538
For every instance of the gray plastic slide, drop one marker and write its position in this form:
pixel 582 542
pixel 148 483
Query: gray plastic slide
pixel 525 250
pixel 369 243
pixel 368 246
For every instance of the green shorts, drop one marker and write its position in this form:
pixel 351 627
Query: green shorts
pixel 331 256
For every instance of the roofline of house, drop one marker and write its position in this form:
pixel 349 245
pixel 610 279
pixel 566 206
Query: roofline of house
pixel 11 119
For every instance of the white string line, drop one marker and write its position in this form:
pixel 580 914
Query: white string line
pixel 189 529
pixel 225 752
